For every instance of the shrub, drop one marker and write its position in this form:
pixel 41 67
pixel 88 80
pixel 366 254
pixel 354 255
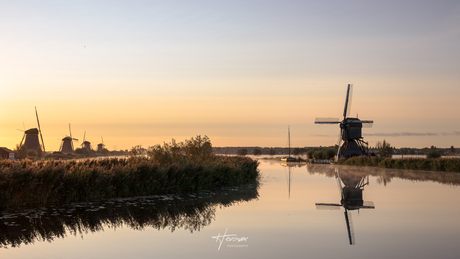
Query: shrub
pixel 242 152
pixel 384 149
pixel 433 154
pixel 310 153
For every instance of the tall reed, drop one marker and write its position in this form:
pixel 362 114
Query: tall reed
pixel 28 183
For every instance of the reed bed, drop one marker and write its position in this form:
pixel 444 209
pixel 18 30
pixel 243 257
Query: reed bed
pixel 28 183
pixel 431 164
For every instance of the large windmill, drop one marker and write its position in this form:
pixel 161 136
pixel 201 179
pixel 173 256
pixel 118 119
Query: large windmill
pixel 67 143
pixel 350 131
pixel 351 193
pixel 31 140
pixel 100 146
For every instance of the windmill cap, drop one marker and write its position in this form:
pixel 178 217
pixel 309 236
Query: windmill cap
pixel 32 131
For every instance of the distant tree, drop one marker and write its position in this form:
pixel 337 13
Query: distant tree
pixel 272 151
pixel 318 154
pixel 296 151
pixel 85 151
pixel 242 152
pixel 32 152
pixel 198 148
pixel 330 153
pixel 452 149
pixel 384 149
pixel 136 151
pixel 433 154
pixel 257 151
pixel 310 153
pixel 21 151
pixel 105 151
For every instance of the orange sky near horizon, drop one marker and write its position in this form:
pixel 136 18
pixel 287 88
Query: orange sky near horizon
pixel 146 72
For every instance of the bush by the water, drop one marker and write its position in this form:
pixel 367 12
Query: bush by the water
pixel 325 153
pixel 27 183
pixel 433 154
pixel 432 164
pixel 384 149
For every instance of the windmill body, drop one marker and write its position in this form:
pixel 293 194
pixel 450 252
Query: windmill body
pixel 67 143
pixel 351 140
pixel 31 140
pixel 101 145
pixel 86 145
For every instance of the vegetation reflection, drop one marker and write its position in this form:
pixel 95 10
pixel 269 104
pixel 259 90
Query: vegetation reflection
pixel 191 212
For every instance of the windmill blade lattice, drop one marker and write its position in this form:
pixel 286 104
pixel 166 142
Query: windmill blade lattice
pixel 347 109
pixel 327 120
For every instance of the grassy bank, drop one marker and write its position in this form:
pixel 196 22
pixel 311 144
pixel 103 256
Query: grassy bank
pixel 28 183
pixel 431 164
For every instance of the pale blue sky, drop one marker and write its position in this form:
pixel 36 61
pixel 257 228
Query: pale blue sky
pixel 143 72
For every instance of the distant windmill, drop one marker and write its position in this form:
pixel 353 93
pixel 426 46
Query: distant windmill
pixel 350 131
pixel 31 140
pixel 100 146
pixel 67 143
pixel 86 144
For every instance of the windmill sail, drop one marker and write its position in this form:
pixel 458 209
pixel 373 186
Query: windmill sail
pixel 327 121
pixel 346 110
pixel 351 232
pixel 41 136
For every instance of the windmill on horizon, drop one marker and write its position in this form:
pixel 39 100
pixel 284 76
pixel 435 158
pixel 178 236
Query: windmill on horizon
pixel 101 145
pixel 30 140
pixel 67 143
pixel 350 131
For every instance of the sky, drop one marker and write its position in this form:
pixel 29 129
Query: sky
pixel 240 72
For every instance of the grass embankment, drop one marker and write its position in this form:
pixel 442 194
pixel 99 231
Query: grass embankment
pixel 431 164
pixel 28 183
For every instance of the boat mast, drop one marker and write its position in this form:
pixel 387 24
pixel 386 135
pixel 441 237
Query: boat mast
pixel 289 141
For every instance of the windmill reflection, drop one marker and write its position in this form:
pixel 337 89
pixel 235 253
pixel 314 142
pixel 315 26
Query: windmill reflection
pixel 351 187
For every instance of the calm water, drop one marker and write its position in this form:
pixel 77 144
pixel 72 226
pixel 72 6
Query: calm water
pixel 295 212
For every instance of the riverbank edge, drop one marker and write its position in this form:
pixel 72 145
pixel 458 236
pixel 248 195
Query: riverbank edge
pixel 451 165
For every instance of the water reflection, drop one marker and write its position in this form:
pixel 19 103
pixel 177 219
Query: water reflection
pixel 288 177
pixel 191 212
pixel 352 180
pixel 384 176
pixel 351 187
